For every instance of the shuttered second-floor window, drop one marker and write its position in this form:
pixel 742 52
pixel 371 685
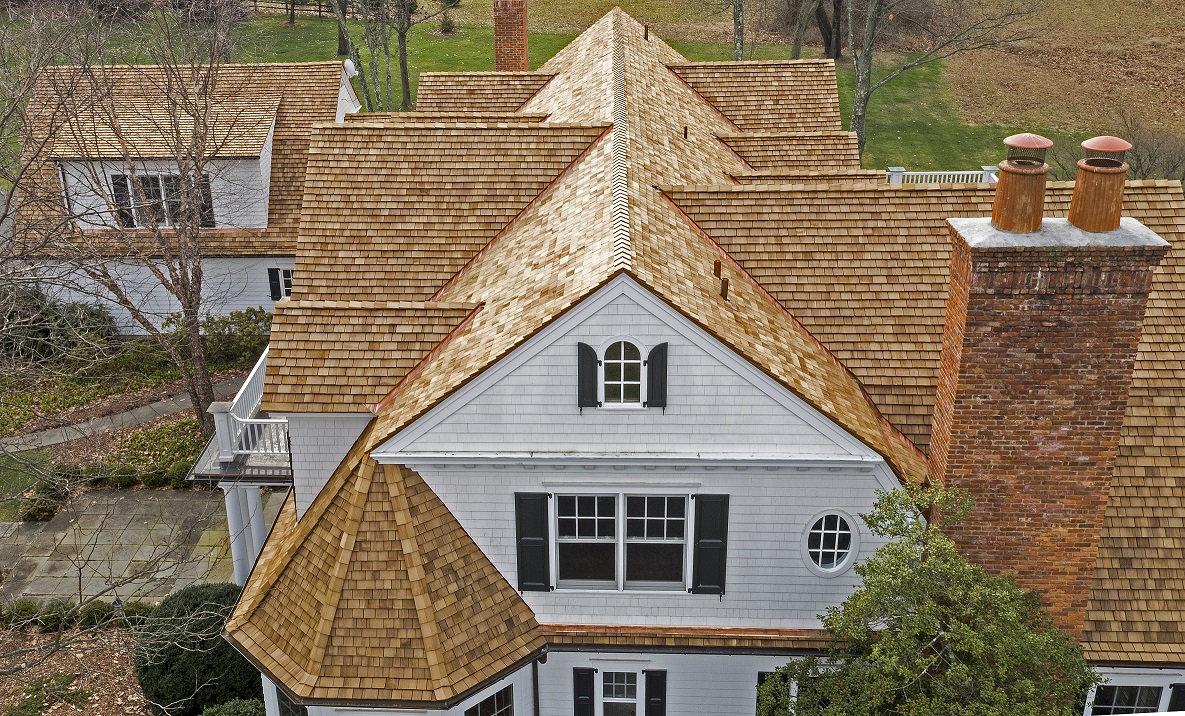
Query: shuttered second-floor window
pixel 621 378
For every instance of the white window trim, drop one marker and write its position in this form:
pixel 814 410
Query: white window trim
pixel 643 352
pixel 853 552
pixel 619 537
pixel 286 282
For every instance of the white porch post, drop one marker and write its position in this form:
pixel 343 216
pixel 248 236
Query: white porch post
pixel 990 173
pixel 896 175
pixel 223 430
pixel 248 534
pixel 255 517
pixel 270 701
pixel 240 552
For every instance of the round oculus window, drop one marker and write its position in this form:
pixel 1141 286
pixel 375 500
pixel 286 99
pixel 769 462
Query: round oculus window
pixel 830 542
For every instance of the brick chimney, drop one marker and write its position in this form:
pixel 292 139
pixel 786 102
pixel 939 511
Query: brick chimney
pixel 510 35
pixel 1041 333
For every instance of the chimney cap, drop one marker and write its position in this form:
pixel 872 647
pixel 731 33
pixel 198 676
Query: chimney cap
pixel 1028 140
pixel 1107 144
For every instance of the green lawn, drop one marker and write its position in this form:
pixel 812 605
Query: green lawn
pixel 912 122
pixel 16 476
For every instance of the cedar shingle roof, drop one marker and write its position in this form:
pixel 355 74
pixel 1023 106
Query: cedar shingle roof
pixel 837 290
pixel 328 356
pixel 377 596
pixel 297 94
pixel 430 197
pixel 782 96
pixel 460 92
pixel 796 151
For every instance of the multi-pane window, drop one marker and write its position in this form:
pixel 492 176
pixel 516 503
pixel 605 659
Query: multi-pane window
pixel 623 374
pixel 286 282
pixel 655 529
pixel 1125 700
pixel 587 530
pixel 829 542
pixel 155 200
pixel 593 550
pixel 619 696
pixel 499 704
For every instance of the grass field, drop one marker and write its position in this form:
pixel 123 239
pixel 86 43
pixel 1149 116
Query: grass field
pixel 15 478
pixel 913 121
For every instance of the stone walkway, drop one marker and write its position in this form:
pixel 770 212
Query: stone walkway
pixel 134 544
pixel 108 423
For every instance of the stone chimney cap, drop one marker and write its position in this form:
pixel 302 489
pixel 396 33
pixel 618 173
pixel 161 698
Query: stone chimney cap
pixel 1028 141
pixel 1108 144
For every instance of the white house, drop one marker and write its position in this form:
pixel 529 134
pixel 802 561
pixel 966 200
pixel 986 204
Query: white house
pixel 116 151
pixel 583 404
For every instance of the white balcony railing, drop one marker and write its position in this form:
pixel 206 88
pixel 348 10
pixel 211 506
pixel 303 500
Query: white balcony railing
pixel 239 431
pixel 986 174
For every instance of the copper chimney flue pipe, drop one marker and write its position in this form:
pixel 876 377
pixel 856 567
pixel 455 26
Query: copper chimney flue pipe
pixel 1020 192
pixel 1098 191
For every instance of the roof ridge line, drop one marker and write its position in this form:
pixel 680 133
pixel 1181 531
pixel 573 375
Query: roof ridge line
pixel 337 576
pixel 529 205
pixel 619 203
pixel 414 564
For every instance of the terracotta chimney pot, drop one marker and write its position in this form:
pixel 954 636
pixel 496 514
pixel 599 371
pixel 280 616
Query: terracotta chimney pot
pixel 1020 192
pixel 1097 203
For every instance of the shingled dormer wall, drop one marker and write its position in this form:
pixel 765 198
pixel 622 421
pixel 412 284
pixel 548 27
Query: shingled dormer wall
pixel 1040 339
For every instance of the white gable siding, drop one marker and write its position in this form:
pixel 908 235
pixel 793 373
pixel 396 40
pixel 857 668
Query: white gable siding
pixel 229 283
pixel 768 583
pixel 318 443
pixel 712 407
pixel 239 189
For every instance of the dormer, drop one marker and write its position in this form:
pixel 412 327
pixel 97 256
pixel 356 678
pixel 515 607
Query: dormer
pixel 130 165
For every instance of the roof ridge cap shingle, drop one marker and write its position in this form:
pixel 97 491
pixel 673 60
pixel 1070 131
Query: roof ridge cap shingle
pixel 369 305
pixel 619 167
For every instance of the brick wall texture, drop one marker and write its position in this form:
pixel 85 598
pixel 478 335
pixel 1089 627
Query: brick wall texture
pixel 1035 370
pixel 510 35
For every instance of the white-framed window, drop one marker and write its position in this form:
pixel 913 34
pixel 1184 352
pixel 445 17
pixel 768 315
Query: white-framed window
pixel 830 543
pixel 622 382
pixel 498 704
pixel 1126 700
pixel 621 541
pixel 286 282
pixel 153 199
pixel 619 693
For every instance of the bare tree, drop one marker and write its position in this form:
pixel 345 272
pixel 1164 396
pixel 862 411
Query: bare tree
pixel 147 139
pixel 382 19
pixel 806 12
pixel 943 27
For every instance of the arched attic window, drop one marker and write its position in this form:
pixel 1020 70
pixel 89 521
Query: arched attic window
pixel 623 374
pixel 619 377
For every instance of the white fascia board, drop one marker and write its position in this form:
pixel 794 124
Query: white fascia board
pixel 625 286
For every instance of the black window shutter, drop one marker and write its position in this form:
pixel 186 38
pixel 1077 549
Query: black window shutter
pixel 1177 697
pixel 273 278
pixel 583 702
pixel 207 208
pixel 656 377
pixel 121 196
pixel 656 693
pixel 711 544
pixel 586 376
pixel 530 516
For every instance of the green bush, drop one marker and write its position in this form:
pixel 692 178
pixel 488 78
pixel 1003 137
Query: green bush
pixel 154 477
pixel 178 476
pixel 238 707
pixel 237 339
pixel 20 613
pixel 37 509
pixel 40 328
pixel 55 616
pixel 96 613
pixel 135 613
pixel 123 476
pixel 180 645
